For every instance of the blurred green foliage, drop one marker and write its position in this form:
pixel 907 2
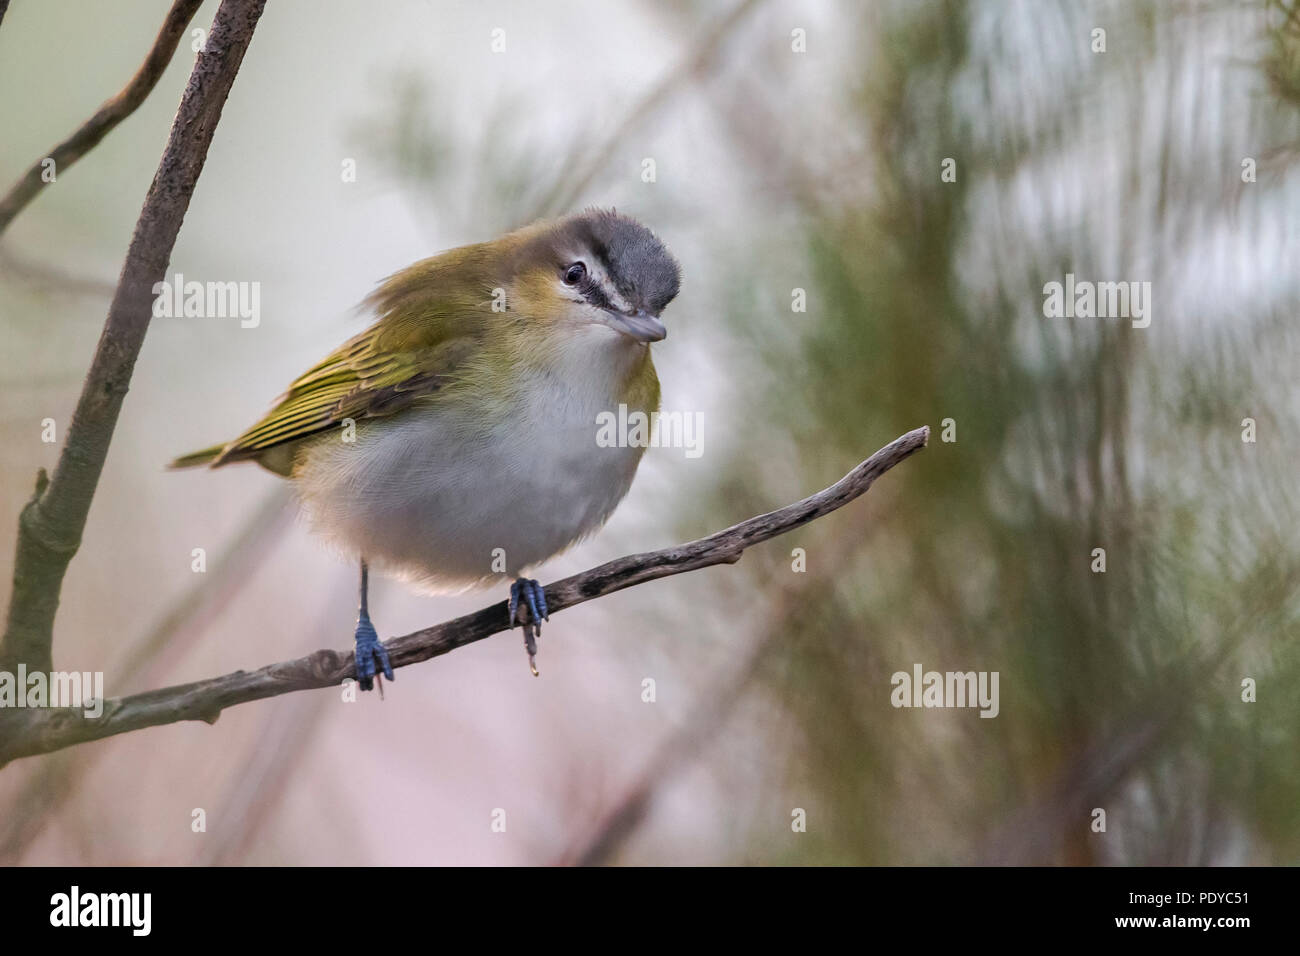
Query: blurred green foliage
pixel 1120 690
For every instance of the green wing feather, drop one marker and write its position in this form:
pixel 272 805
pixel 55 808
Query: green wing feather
pixel 425 333
pixel 354 382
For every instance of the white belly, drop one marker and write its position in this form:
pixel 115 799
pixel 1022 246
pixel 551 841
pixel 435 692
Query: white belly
pixel 431 497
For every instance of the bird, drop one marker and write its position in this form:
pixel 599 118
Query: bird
pixel 454 441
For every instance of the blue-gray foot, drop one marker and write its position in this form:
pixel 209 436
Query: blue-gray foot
pixel 526 592
pixel 369 654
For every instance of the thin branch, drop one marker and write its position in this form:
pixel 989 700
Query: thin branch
pixel 114 110
pixel 35 731
pixel 708 715
pixel 50 526
pixel 257 792
pixel 696 64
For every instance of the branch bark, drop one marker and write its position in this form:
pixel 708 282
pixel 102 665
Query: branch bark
pixel 50 526
pixel 37 731
pixel 114 110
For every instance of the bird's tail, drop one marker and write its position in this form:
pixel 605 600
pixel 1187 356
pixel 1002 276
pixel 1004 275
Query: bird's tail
pixel 196 458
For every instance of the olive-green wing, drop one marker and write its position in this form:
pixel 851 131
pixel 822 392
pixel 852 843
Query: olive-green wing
pixel 357 381
pixel 433 316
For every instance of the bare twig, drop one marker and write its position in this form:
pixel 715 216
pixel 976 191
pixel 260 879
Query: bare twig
pixel 114 110
pixel 258 790
pixel 698 62
pixel 708 716
pixel 35 731
pixel 50 527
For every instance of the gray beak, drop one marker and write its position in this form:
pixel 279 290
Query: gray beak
pixel 640 325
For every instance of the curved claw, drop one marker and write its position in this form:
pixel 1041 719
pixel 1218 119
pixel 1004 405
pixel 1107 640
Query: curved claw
pixel 370 651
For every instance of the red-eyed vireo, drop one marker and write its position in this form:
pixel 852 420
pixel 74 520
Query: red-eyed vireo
pixel 457 436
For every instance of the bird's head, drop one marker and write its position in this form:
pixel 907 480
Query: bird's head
pixel 595 268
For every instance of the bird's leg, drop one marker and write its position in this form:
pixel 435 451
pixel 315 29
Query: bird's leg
pixel 369 650
pixel 529 594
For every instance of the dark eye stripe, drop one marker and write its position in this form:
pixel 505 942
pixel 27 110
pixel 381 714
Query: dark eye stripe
pixel 623 287
pixel 596 296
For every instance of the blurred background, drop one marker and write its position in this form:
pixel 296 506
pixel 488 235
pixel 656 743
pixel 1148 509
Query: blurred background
pixel 797 145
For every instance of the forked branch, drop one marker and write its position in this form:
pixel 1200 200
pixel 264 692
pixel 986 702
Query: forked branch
pixel 50 526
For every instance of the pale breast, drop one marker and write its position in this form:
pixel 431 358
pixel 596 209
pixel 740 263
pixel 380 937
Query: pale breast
pixel 438 497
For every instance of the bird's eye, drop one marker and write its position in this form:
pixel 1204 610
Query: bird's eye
pixel 574 273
